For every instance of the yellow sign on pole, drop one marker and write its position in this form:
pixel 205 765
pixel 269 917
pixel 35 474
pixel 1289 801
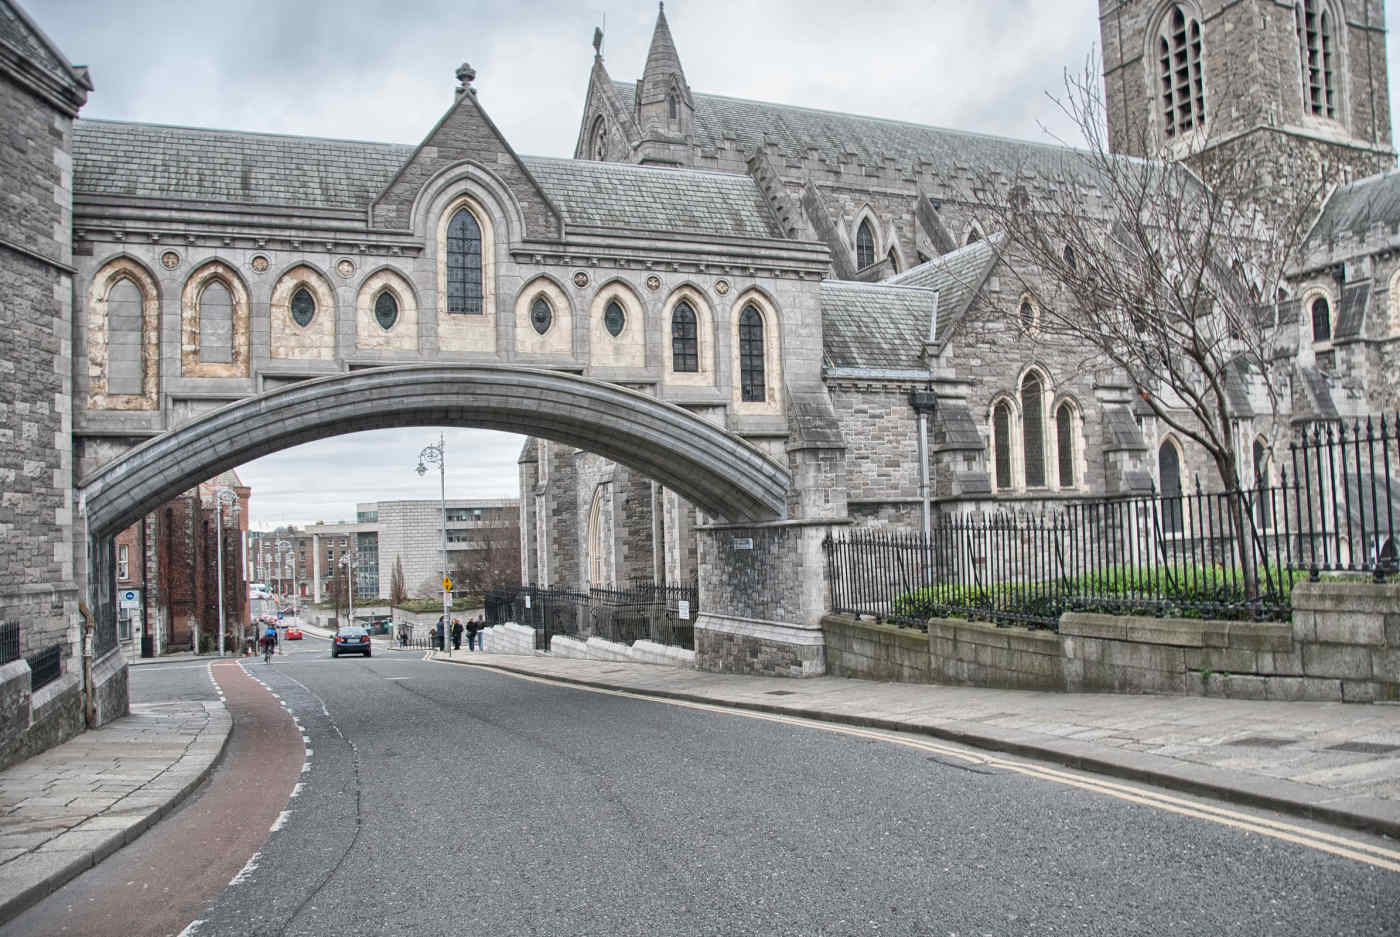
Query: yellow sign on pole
pixel 446 583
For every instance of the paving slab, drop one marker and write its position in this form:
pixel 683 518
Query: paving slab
pixel 1186 743
pixel 66 809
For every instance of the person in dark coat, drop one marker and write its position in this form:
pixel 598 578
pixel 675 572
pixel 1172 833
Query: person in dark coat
pixel 456 635
pixel 476 641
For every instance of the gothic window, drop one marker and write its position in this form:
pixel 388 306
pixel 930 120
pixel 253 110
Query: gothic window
pixel 595 539
pixel 1033 430
pixel 1070 261
pixel 124 371
pixel 464 292
pixel 894 261
pixel 216 324
pixel 1181 85
pixel 1263 501
pixel 541 314
pixel 598 140
pixel 1321 319
pixel 303 306
pixel 1169 476
pixel 673 110
pixel 1026 313
pixel 1001 444
pixel 1317 50
pixel 865 246
pixel 685 349
pixel 1064 443
pixel 751 380
pixel 614 318
pixel 386 310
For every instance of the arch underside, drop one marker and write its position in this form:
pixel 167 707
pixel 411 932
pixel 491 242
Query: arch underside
pixel 718 472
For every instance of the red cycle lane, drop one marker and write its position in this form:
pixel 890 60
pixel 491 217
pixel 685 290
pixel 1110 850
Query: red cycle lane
pixel 156 885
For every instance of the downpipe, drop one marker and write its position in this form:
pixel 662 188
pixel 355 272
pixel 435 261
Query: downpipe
pixel 89 699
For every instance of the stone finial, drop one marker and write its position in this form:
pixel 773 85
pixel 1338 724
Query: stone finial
pixel 598 41
pixel 466 75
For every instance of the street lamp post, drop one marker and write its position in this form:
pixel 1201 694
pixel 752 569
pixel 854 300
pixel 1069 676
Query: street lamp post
pixel 348 561
pixel 222 495
pixel 292 558
pixel 438 454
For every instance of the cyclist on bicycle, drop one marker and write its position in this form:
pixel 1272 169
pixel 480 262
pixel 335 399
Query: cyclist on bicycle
pixel 269 641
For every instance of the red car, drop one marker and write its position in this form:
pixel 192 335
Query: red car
pixel 293 633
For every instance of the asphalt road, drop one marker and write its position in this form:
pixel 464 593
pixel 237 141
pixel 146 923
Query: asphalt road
pixel 442 799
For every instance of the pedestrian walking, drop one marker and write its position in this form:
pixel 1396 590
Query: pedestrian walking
pixel 456 634
pixel 476 641
pixel 440 634
pixel 403 635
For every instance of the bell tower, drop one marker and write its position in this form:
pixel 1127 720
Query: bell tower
pixel 1182 77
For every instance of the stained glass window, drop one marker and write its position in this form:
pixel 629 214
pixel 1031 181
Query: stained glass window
pixel 386 310
pixel 865 246
pixel 1001 444
pixel 614 318
pixel 685 352
pixel 1033 431
pixel 303 307
pixel 1064 437
pixel 751 378
pixel 464 292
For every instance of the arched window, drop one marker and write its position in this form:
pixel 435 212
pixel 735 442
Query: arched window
pixel 673 108
pixel 1001 444
pixel 1064 444
pixel 865 246
pixel 216 324
pixel 1027 313
pixel 303 307
pixel 1070 260
pixel 752 386
pixel 464 293
pixel 125 374
pixel 894 261
pixel 541 314
pixel 1169 474
pixel 595 539
pixel 685 349
pixel 1317 51
pixel 1321 312
pixel 598 140
pixel 614 319
pixel 1263 497
pixel 1181 87
pixel 386 310
pixel 1033 430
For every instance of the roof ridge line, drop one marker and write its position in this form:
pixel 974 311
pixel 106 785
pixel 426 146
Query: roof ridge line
pixel 641 168
pixel 83 121
pixel 884 285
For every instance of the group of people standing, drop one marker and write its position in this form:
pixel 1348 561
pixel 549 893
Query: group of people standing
pixel 476 641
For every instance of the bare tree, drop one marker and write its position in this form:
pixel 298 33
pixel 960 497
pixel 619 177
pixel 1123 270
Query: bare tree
pixel 494 559
pixel 398 589
pixel 1167 272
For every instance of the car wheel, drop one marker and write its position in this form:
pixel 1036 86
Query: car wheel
pixel 334 652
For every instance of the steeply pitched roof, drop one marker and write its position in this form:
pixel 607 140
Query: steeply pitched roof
pixel 873 326
pixel 663 63
pixel 25 48
pixel 620 195
pixel 867 140
pixel 1354 208
pixel 229 166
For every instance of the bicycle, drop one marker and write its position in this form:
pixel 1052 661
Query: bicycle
pixel 267 652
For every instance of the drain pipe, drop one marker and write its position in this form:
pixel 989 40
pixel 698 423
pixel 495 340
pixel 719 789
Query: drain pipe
pixel 89 702
pixel 925 402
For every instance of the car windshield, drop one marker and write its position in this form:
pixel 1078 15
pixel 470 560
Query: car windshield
pixel 353 632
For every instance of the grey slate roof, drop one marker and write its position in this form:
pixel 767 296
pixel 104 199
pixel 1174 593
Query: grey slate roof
pixel 957 276
pixel 620 195
pixel 1354 208
pixel 854 138
pixel 1352 316
pixel 229 166
pixel 1316 402
pixel 1121 430
pixel 874 326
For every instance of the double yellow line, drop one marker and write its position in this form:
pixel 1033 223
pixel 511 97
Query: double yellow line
pixel 1348 848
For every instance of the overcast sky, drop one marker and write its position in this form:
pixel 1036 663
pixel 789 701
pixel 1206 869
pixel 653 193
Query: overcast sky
pixel 383 71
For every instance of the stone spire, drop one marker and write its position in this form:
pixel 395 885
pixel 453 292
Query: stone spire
pixel 663 71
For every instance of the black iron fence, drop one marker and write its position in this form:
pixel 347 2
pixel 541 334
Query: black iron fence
pixel 9 641
pixel 641 611
pixel 45 667
pixel 1233 555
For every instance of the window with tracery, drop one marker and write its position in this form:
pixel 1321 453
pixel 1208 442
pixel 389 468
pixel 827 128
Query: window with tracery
pixel 1033 430
pixel 1317 51
pixel 464 280
pixel 752 386
pixel 865 246
pixel 1180 50
pixel 598 140
pixel 685 346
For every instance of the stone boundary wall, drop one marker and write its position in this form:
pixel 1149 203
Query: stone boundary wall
pixel 1342 644
pixel 512 638
pixel 30 724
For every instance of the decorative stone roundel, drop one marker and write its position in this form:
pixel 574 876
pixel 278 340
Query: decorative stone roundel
pixel 386 310
pixel 303 307
pixel 170 260
pixel 541 315
pixel 259 264
pixel 346 267
pixel 721 287
pixel 614 318
pixel 580 279
pixel 653 283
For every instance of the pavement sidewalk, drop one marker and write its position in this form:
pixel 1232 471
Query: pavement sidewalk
pixel 68 808
pixel 1337 762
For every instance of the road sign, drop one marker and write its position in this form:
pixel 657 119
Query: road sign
pixel 129 598
pixel 446 583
